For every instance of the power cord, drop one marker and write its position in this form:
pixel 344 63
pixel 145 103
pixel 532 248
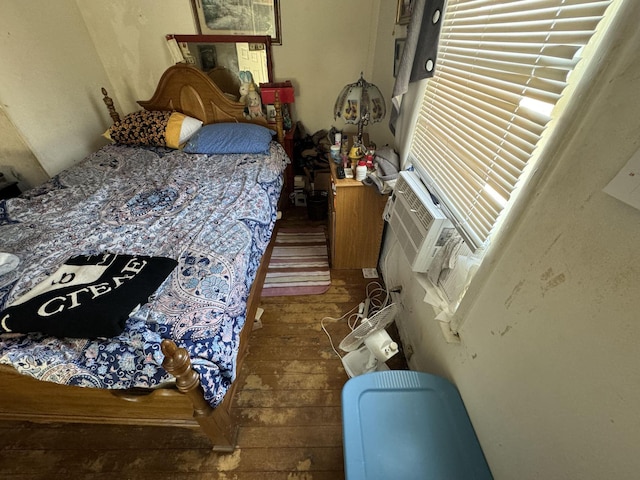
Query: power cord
pixel 350 315
pixel 377 298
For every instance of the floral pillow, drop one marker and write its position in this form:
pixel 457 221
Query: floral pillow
pixel 154 128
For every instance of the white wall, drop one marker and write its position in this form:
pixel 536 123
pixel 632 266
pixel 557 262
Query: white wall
pixel 382 75
pixel 17 162
pixel 50 82
pixel 130 41
pixel 57 55
pixel 325 46
pixel 548 359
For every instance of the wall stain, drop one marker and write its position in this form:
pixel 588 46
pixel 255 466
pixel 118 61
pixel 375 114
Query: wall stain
pixel 547 274
pixel 505 331
pixel 514 292
pixel 552 244
pixel 551 280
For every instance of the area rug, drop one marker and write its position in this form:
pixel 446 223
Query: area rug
pixel 299 263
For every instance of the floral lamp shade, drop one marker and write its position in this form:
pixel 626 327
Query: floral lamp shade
pixel 360 103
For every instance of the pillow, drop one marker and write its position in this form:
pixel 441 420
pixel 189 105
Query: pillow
pixel 230 138
pixel 180 129
pixel 154 128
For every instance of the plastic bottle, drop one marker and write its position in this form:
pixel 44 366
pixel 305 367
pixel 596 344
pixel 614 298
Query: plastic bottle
pixel 361 170
pixel 369 161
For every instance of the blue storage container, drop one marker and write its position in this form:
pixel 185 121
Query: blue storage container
pixel 404 425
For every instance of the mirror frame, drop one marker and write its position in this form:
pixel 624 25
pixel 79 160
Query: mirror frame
pixel 266 39
pixel 203 28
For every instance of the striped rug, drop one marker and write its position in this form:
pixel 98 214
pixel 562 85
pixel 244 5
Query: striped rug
pixel 299 263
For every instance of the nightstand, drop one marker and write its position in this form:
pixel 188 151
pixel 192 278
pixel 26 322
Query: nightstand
pixel 9 190
pixel 355 223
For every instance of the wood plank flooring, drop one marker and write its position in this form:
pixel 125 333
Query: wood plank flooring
pixel 287 405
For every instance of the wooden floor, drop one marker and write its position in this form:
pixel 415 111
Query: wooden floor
pixel 287 404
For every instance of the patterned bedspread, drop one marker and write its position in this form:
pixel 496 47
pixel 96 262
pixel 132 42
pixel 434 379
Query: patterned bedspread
pixel 214 214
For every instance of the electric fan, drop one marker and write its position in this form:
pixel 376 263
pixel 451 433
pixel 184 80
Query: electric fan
pixel 378 346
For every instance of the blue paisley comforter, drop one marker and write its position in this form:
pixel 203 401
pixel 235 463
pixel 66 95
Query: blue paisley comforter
pixel 212 213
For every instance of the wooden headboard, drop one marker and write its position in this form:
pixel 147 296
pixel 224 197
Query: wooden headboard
pixel 186 89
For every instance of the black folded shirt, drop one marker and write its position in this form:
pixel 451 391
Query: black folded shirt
pixel 88 297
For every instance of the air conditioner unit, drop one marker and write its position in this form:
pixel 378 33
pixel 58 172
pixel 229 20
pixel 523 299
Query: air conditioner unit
pixel 419 225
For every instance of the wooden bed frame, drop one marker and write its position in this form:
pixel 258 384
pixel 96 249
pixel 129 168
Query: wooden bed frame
pixel 188 90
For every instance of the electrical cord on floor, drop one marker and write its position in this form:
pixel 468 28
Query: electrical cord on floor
pixel 350 315
pixel 377 298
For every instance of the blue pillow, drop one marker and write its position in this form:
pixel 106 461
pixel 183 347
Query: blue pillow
pixel 230 138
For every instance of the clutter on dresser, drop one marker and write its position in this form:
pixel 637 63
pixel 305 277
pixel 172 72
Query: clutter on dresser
pixel 285 93
pixel 385 171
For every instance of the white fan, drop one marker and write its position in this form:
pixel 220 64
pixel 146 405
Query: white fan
pixel 378 346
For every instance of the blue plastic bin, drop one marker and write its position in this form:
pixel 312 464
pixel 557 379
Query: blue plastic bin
pixel 404 425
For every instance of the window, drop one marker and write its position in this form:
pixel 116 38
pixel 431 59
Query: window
pixel 501 69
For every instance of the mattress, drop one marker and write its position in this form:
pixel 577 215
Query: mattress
pixel 213 214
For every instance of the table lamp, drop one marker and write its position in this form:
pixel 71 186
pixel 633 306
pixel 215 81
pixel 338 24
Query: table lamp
pixel 360 103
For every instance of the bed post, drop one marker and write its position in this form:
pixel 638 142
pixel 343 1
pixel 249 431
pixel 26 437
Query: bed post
pixel 216 423
pixel 279 119
pixel 109 103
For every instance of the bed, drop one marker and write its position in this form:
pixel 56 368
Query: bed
pixel 175 361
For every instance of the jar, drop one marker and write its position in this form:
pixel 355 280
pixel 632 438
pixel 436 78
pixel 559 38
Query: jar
pixel 369 161
pixel 335 153
pixel 361 171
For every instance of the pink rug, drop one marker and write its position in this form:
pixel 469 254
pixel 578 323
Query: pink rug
pixel 299 263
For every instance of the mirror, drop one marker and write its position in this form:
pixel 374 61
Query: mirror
pixel 222 57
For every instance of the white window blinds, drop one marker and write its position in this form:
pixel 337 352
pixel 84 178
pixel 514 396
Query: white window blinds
pixel 501 68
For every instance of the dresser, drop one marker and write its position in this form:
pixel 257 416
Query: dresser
pixel 355 222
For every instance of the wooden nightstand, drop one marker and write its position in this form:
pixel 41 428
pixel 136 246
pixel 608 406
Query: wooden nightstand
pixel 355 223
pixel 9 190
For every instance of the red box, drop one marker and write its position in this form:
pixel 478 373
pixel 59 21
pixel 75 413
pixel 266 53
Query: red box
pixel 284 89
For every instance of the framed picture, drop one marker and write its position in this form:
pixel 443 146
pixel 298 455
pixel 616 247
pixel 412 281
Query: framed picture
pixel 403 13
pixel 397 54
pixel 208 57
pixel 238 17
pixel 271 113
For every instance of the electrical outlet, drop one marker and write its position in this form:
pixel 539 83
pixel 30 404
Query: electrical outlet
pixel 369 273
